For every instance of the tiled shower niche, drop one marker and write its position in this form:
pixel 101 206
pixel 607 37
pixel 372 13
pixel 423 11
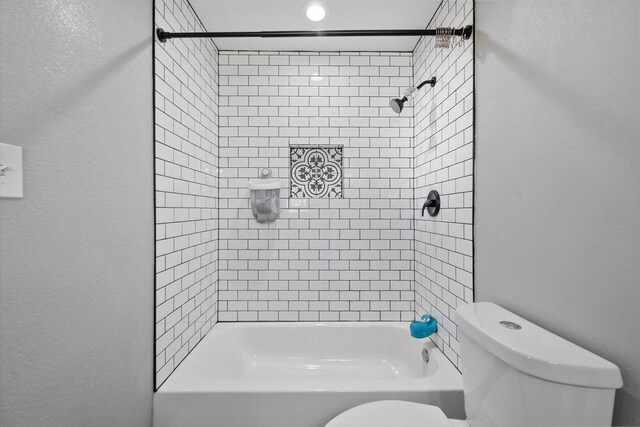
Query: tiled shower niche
pixel 316 171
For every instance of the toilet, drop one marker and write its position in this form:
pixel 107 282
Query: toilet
pixel 514 373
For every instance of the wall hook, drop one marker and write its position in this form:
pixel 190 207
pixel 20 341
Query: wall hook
pixel 432 205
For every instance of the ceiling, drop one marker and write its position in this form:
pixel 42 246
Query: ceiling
pixel 270 15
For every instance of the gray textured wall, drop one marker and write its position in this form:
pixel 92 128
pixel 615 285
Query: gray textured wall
pixel 76 292
pixel 558 173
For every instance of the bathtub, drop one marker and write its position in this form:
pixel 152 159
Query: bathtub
pixel 302 375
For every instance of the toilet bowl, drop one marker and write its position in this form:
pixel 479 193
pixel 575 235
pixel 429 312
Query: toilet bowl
pixel 394 413
pixel 514 373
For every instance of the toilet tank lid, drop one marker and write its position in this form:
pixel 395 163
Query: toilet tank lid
pixel 534 350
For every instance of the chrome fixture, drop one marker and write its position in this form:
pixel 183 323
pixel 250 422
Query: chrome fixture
pixel 425 355
pixel 397 104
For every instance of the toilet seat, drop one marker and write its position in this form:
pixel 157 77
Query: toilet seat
pixel 394 413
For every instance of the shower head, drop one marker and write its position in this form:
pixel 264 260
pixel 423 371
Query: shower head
pixel 397 104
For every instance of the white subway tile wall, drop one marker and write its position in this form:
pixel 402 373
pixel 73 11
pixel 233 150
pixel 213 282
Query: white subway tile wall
pixel 186 150
pixel 443 149
pixel 324 259
pixel 369 256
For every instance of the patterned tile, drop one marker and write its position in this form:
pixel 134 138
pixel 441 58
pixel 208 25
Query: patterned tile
pixel 316 172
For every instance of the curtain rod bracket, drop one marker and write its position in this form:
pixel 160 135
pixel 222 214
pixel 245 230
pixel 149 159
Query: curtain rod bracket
pixel 467 31
pixel 163 36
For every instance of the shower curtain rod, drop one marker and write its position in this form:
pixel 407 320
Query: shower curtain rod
pixel 163 36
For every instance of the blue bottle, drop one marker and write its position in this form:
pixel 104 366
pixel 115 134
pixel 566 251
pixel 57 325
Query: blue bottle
pixel 424 327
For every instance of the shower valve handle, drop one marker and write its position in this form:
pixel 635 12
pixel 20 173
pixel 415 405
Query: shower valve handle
pixel 428 204
pixel 432 205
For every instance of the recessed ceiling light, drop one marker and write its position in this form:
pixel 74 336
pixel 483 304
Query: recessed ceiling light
pixel 315 12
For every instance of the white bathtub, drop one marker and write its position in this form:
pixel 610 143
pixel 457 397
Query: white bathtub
pixel 302 375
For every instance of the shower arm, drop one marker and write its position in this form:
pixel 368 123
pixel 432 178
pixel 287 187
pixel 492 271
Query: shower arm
pixel 163 36
pixel 409 92
pixel 431 81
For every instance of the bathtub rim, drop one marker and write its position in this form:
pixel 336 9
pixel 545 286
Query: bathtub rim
pixel 445 378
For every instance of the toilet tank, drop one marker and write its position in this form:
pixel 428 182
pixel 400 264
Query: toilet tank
pixel 515 373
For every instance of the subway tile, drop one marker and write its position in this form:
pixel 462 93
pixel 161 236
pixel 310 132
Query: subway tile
pixel 189 191
pixel 337 260
pixel 441 149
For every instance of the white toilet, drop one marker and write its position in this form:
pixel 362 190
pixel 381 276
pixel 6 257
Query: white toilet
pixel 514 374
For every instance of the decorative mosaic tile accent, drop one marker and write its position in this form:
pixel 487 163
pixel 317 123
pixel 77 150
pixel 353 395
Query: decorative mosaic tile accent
pixel 316 172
